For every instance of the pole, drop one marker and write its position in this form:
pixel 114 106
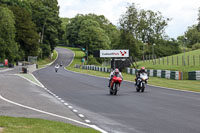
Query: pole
pixel 87 53
pixel 143 52
pixel 184 50
pixel 153 50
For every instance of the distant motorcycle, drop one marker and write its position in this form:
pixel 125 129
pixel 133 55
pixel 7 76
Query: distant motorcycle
pixel 115 84
pixel 141 82
pixel 56 68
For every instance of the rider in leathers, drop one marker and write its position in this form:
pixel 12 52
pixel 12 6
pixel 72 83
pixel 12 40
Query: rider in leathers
pixel 112 73
pixel 142 70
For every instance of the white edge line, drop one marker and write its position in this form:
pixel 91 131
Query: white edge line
pixel 45 66
pixel 72 59
pixel 54 60
pixel 37 80
pixel 7 69
pixel 48 113
pixel 92 126
pixel 28 80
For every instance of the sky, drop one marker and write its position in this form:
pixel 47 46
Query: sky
pixel 184 13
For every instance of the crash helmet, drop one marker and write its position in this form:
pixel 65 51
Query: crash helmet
pixel 116 70
pixel 142 69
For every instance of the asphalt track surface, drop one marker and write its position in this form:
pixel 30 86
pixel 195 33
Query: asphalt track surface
pixel 21 98
pixel 157 110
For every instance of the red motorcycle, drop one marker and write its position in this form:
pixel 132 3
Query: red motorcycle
pixel 115 84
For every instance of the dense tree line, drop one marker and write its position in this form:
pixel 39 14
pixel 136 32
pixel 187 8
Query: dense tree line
pixel 28 28
pixel 137 27
pixel 33 28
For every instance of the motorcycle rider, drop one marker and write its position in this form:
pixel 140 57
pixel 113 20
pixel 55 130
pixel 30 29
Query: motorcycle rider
pixel 114 72
pixel 56 67
pixel 142 70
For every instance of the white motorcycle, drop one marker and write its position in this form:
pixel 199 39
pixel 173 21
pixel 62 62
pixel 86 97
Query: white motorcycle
pixel 56 68
pixel 141 82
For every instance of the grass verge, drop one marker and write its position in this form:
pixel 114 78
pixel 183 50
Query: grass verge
pixel 32 125
pixel 189 85
pixel 30 77
pixel 175 62
pixel 43 62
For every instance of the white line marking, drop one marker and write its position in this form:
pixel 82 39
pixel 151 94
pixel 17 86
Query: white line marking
pixel 45 66
pixel 37 80
pixel 70 107
pixel 59 116
pixel 7 69
pixel 66 104
pixel 62 101
pixel 28 80
pixel 75 111
pixel 81 115
pixel 88 121
pixel 71 60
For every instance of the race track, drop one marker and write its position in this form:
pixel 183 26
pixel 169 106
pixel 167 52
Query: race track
pixel 157 110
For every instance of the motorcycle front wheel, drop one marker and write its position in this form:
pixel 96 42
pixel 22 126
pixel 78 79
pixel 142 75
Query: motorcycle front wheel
pixel 116 89
pixel 143 87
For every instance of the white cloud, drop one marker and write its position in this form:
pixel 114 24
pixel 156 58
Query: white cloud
pixel 184 13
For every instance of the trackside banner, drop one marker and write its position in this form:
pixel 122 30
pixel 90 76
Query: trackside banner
pixel 114 53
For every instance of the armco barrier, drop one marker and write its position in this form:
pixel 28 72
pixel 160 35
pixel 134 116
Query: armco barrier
pixel 160 73
pixel 194 75
pixel 96 68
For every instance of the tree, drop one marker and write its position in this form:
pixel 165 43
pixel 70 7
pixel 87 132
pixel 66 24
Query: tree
pixel 26 34
pixel 127 41
pixel 45 16
pixel 74 27
pixel 192 36
pixel 92 36
pixel 65 22
pixel 8 46
pixel 142 26
pixel 147 26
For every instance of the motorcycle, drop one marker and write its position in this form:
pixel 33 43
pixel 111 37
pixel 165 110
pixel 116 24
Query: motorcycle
pixel 141 82
pixel 56 68
pixel 115 84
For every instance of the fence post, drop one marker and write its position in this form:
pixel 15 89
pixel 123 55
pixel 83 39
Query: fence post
pixel 163 61
pixel 172 60
pixel 159 60
pixel 177 60
pixel 182 61
pixel 188 60
pixel 194 60
pixel 167 60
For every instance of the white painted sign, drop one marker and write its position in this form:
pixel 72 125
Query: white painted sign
pixel 114 53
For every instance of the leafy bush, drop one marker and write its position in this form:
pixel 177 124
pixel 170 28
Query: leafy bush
pixel 196 46
pixel 92 60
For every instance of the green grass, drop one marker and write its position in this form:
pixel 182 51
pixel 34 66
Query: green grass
pixel 42 62
pixel 30 77
pixel 32 125
pixel 175 62
pixel 169 83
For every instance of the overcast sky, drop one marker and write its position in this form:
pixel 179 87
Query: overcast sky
pixel 183 13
